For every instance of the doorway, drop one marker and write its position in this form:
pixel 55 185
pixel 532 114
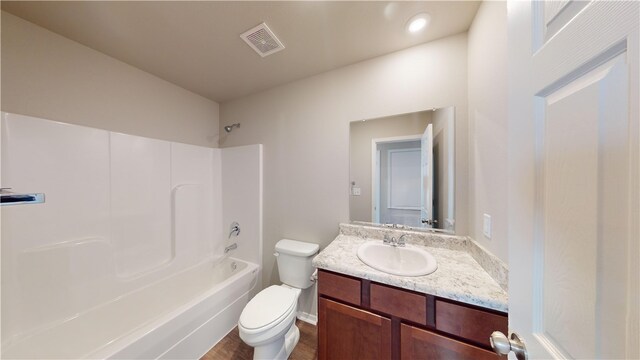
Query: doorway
pixel 396 180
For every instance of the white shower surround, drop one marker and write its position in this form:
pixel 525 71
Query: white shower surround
pixel 122 213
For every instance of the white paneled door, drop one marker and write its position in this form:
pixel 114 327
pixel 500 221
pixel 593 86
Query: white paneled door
pixel 574 223
pixel 426 167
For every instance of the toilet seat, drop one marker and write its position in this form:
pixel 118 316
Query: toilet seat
pixel 267 309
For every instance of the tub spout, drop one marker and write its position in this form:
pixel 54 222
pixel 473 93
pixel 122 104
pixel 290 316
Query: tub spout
pixel 230 247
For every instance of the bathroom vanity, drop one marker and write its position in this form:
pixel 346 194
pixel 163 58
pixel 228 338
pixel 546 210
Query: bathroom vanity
pixel 364 313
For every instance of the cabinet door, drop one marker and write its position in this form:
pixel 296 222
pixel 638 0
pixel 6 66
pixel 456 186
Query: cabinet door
pixel 422 344
pixel 345 332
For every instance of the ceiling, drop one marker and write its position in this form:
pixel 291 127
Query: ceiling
pixel 197 45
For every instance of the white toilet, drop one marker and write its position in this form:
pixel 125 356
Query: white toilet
pixel 267 323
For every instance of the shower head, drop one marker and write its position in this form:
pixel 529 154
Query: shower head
pixel 228 128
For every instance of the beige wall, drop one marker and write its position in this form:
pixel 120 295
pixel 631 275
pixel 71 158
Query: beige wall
pixel 48 76
pixel 304 127
pixel 360 136
pixel 488 125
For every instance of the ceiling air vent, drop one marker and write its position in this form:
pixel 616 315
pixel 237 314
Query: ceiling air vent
pixel 262 40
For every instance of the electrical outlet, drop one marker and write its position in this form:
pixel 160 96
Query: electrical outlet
pixel 486 226
pixel 355 191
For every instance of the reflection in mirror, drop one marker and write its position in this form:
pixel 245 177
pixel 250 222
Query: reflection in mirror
pixel 402 170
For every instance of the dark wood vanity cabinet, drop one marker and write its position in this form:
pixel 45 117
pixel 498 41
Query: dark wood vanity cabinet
pixel 360 319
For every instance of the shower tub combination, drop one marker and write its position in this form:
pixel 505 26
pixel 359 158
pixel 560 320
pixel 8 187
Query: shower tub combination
pixel 179 317
pixel 124 258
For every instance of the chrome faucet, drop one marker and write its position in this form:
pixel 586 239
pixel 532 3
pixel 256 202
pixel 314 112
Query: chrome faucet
pixel 393 241
pixel 235 229
pixel 230 247
pixel 396 226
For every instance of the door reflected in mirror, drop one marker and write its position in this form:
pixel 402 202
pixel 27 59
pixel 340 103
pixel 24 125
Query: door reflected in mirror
pixel 402 170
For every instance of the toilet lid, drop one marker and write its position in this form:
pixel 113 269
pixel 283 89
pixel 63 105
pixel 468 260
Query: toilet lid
pixel 269 306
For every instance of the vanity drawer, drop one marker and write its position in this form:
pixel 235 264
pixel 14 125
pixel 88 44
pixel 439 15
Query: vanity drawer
pixel 339 287
pixel 468 323
pixel 401 303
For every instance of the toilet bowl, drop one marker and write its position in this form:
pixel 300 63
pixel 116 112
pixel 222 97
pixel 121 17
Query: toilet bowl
pixel 267 322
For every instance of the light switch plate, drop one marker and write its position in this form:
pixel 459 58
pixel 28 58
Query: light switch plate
pixel 355 191
pixel 486 226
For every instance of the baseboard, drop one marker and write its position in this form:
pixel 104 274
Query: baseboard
pixel 308 318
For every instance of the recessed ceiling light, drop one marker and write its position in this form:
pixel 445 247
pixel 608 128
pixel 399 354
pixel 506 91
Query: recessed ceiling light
pixel 418 22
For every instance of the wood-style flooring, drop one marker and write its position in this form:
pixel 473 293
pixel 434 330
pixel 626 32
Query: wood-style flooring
pixel 232 347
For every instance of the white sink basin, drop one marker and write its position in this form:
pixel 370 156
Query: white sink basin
pixel 402 261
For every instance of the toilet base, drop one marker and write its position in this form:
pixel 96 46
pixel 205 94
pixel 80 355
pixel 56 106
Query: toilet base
pixel 291 339
pixel 279 349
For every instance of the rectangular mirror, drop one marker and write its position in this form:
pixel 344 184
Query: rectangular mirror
pixel 402 170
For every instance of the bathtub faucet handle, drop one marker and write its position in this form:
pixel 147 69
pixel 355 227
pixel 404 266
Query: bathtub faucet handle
pixel 235 229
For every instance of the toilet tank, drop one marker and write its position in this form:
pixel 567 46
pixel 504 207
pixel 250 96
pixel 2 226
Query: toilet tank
pixel 294 262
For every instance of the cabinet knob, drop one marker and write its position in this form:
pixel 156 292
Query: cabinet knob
pixel 503 345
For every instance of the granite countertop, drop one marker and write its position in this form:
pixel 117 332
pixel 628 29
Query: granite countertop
pixel 458 277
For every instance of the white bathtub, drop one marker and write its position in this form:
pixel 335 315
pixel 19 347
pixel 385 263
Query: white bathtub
pixel 180 317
